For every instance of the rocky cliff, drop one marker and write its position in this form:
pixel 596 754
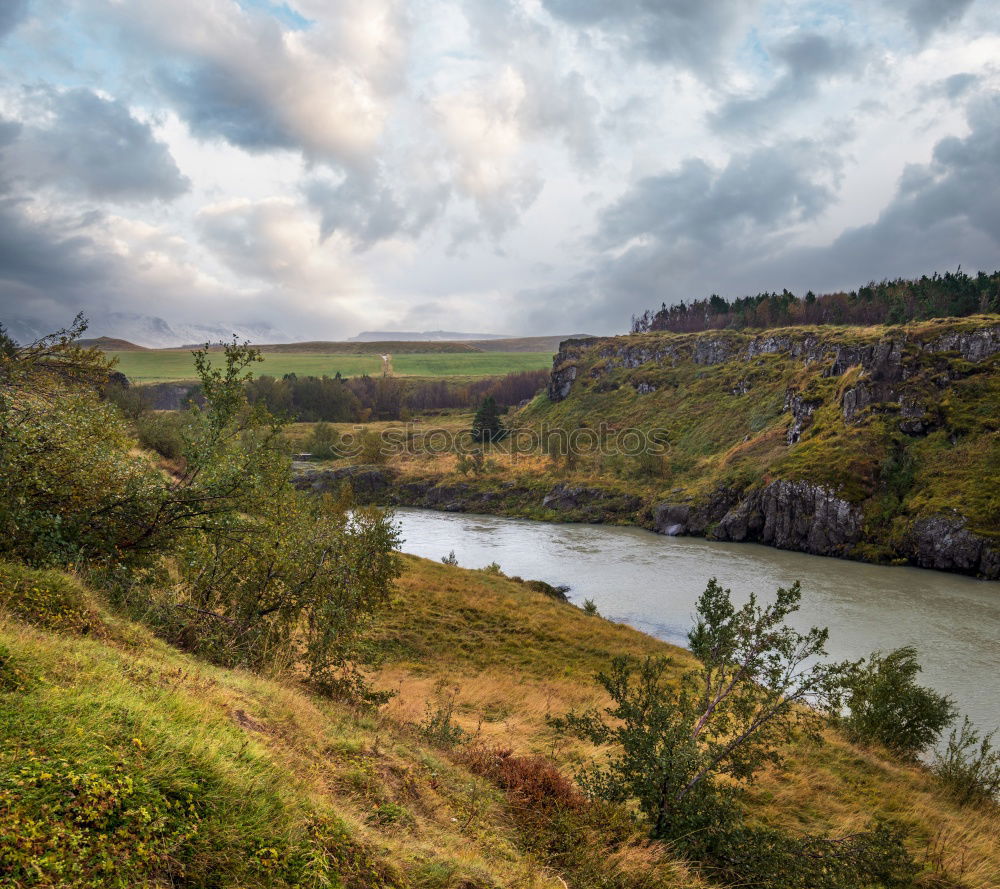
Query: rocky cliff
pixel 879 443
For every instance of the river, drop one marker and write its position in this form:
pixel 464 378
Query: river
pixel 651 582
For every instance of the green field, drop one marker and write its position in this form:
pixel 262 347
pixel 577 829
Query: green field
pixel 161 367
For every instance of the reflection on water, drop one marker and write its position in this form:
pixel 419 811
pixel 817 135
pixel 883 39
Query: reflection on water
pixel 651 582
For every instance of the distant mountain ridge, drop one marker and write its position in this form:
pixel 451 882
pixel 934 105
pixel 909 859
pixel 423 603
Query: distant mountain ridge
pixel 414 336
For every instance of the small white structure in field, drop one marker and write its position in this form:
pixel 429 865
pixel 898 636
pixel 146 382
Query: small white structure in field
pixel 386 365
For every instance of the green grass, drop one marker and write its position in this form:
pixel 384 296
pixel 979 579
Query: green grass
pixel 167 366
pixel 126 763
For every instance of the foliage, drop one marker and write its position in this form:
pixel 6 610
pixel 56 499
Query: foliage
pixel 322 442
pixel 590 608
pixel 439 726
pixel 71 488
pixel 969 766
pixel 450 559
pixel 684 750
pixel 343 399
pixel 888 707
pixel 726 719
pixel 163 433
pixel 487 425
pixel 272 575
pixel 953 294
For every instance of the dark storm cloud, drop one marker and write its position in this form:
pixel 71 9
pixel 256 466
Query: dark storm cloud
pixel 944 213
pixel 808 59
pixel 217 101
pixel 762 189
pixel 11 14
pixel 927 16
pixel 687 32
pixel 697 231
pixel 95 147
pixel 366 210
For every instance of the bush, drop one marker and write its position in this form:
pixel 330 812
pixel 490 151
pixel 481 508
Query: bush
pixel 439 726
pixel 450 559
pixel 969 766
pixel 46 599
pixel 161 433
pixel 590 608
pixel 889 708
pixel 322 442
pixel 71 487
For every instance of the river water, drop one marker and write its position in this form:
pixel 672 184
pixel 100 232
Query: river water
pixel 651 582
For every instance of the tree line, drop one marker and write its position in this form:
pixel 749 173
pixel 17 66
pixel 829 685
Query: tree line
pixel 338 399
pixel 953 294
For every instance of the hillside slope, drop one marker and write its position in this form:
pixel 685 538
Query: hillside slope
pixel 880 442
pixel 124 762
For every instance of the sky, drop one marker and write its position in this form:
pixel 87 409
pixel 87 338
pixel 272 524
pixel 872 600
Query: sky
pixel 313 168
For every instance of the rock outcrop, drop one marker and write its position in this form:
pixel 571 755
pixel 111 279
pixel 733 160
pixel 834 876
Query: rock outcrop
pixel 794 515
pixel 943 542
pixel 367 482
pixel 592 504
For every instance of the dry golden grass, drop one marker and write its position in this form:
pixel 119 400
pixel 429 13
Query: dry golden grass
pixel 514 656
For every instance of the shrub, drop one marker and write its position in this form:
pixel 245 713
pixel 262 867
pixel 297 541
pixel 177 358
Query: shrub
pixel 439 726
pixel 590 608
pixel 322 442
pixel 450 559
pixel 161 433
pixel 71 488
pixel 969 766
pixel 888 707
pixel 46 599
pixel 684 747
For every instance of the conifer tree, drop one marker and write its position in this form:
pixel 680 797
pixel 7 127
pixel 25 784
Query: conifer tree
pixel 487 426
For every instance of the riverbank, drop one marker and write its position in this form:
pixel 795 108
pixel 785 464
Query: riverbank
pixel 120 752
pixel 877 444
pixel 946 545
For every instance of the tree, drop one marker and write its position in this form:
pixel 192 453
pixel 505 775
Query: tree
pixel 758 679
pixel 487 425
pixel 888 707
pixel 267 575
pixel 684 747
pixel 71 487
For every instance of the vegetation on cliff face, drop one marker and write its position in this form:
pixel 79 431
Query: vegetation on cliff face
pixel 877 442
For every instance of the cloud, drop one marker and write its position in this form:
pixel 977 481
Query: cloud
pixel 755 192
pixel 944 213
pixel 951 88
pixel 927 16
pixel 700 230
pixel 366 210
pixel 91 146
pixel 809 59
pixel 12 12
pixel 243 75
pixel 684 32
pixel 484 136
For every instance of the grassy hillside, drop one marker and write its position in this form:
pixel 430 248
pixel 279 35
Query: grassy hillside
pixel 165 366
pixel 914 433
pixel 878 443
pixel 126 763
